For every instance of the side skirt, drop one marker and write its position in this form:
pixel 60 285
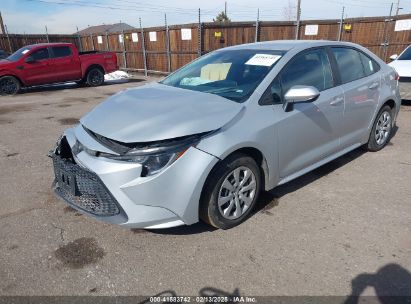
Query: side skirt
pixel 317 164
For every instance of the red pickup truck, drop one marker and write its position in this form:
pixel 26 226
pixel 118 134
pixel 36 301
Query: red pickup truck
pixel 48 63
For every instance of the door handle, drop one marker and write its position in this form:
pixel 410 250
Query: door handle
pixel 336 101
pixel 373 85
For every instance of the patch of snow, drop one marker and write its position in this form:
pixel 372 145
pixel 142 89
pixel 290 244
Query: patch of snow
pixel 117 76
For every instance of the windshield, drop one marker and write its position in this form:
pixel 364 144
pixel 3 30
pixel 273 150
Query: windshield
pixel 406 55
pixel 18 54
pixel 233 74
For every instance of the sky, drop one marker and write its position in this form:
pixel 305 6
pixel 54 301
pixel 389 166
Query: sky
pixel 63 16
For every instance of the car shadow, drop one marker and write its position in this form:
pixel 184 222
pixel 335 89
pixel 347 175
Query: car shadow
pixel 392 284
pixel 406 102
pixel 270 199
pixel 73 85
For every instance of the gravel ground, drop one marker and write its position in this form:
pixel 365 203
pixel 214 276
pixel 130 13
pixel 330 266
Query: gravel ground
pixel 344 226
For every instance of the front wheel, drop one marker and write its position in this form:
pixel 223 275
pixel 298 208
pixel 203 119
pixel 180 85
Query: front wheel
pixel 230 192
pixel 95 77
pixel 381 130
pixel 9 85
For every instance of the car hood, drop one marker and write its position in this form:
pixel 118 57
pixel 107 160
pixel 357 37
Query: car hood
pixel 403 67
pixel 4 63
pixel 156 112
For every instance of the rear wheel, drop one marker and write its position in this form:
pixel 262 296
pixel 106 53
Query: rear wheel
pixel 230 192
pixel 9 85
pixel 381 130
pixel 95 77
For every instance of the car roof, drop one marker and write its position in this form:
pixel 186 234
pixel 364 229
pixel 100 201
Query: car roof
pixel 46 44
pixel 286 45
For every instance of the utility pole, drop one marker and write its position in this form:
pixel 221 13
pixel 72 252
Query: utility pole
pixel 398 8
pixel 167 44
pixel 386 41
pixel 79 40
pixel 2 29
pixel 47 34
pixel 8 38
pixel 143 47
pixel 199 35
pixel 341 24
pixel 225 8
pixel 257 24
pixel 297 30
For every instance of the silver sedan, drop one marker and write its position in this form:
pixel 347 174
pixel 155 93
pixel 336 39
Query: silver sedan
pixel 206 140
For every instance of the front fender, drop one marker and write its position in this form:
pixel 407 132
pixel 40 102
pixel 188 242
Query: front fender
pixel 10 73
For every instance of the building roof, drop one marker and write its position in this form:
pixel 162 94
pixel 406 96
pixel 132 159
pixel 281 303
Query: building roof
pixel 109 28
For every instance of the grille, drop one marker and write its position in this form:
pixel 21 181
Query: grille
pixel 88 193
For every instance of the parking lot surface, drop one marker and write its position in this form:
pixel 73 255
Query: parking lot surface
pixel 345 226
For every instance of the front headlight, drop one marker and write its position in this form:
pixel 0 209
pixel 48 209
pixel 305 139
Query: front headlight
pixel 156 156
pixel 153 156
pixel 152 164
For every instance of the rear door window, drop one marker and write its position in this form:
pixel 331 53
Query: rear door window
pixel 61 51
pixel 369 65
pixel 40 54
pixel 349 64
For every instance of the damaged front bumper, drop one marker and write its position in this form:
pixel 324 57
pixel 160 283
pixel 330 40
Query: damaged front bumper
pixel 116 192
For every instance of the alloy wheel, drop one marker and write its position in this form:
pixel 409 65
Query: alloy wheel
pixel 383 128
pixel 237 193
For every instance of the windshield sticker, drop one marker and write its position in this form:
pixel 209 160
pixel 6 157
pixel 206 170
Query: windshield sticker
pixel 263 59
pixel 25 51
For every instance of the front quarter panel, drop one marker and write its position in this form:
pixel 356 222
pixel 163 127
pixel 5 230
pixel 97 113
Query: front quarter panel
pixel 253 127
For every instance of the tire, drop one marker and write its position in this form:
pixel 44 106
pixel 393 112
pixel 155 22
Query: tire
pixel 95 77
pixel 381 131
pixel 9 85
pixel 226 214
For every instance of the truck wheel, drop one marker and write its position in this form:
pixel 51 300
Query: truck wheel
pixel 9 85
pixel 230 192
pixel 95 77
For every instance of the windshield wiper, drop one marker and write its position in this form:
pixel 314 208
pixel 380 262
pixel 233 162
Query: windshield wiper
pixel 222 90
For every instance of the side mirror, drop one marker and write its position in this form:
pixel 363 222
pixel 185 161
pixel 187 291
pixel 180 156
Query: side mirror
pixel 299 94
pixel 393 57
pixel 29 59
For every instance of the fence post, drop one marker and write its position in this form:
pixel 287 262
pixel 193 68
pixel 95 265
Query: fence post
pixel 257 26
pixel 143 46
pixel 200 48
pixel 92 42
pixel 124 49
pixel 107 42
pixel 47 35
pixel 167 45
pixel 8 39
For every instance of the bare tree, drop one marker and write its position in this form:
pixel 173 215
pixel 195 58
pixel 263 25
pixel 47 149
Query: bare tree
pixel 290 11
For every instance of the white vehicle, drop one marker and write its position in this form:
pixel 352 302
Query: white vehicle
pixel 402 63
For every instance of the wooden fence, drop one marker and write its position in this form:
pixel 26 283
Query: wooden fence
pixel 165 49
